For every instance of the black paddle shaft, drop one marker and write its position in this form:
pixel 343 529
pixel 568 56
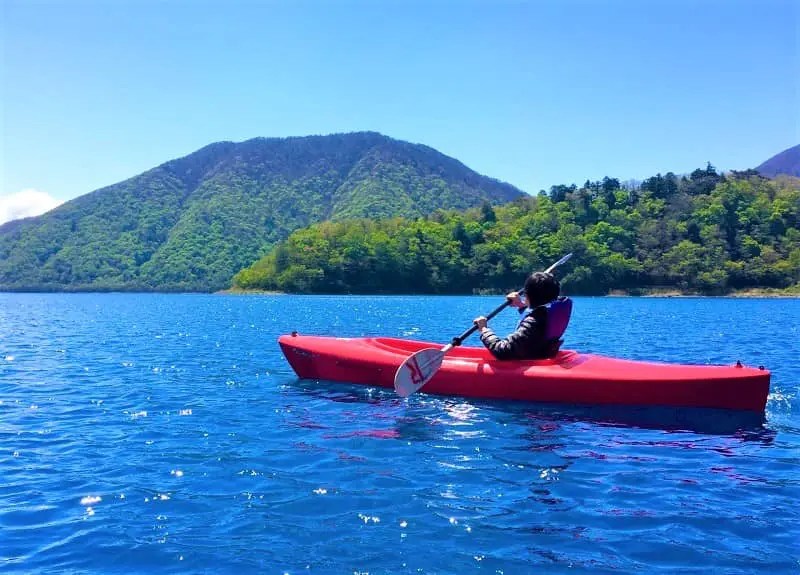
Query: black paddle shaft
pixel 457 340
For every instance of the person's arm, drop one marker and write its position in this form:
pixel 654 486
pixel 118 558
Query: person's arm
pixel 513 346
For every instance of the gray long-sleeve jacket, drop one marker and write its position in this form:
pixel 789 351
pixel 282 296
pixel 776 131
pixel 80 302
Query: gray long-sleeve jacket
pixel 527 342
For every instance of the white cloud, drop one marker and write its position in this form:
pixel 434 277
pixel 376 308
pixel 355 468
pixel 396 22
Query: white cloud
pixel 25 204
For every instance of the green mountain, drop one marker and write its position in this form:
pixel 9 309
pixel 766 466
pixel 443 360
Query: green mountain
pixel 192 223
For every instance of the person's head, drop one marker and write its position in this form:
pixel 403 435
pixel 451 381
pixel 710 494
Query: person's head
pixel 541 288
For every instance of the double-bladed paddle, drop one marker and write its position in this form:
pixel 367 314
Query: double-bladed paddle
pixel 420 367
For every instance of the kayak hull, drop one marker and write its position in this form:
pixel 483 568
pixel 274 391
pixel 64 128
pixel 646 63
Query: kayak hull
pixel 570 377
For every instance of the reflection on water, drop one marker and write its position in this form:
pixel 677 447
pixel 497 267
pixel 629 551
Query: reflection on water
pixel 746 425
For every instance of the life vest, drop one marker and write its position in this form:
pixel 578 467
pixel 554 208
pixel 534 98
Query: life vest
pixel 558 314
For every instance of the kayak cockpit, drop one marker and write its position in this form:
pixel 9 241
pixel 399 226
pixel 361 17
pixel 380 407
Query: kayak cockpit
pixel 407 347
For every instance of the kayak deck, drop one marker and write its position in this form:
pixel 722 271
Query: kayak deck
pixel 569 377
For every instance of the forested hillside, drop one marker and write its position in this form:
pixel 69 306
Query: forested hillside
pixel 703 233
pixel 192 223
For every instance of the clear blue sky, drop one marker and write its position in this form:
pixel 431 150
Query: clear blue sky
pixel 534 93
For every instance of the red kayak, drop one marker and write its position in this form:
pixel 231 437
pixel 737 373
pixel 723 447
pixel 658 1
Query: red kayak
pixel 569 377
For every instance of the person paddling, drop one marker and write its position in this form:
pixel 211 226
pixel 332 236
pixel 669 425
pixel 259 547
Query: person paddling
pixel 545 319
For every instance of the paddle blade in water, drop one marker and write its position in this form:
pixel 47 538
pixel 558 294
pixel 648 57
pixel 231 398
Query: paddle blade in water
pixel 417 370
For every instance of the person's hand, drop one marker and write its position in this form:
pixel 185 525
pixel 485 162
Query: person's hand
pixel 514 300
pixel 480 322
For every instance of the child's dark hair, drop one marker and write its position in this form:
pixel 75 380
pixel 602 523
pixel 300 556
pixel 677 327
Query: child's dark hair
pixel 541 288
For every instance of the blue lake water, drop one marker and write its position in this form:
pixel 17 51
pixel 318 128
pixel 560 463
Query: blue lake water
pixel 167 434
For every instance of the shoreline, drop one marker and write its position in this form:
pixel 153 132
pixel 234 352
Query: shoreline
pixel 239 291
pixel 761 293
pixel 739 294
pixel 751 293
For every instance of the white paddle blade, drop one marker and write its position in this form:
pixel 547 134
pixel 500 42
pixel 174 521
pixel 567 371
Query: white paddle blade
pixel 416 371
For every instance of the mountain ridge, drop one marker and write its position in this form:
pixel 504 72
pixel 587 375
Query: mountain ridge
pixel 786 163
pixel 189 224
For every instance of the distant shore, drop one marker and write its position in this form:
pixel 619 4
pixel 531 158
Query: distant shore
pixel 240 291
pixel 788 293
pixel 746 293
